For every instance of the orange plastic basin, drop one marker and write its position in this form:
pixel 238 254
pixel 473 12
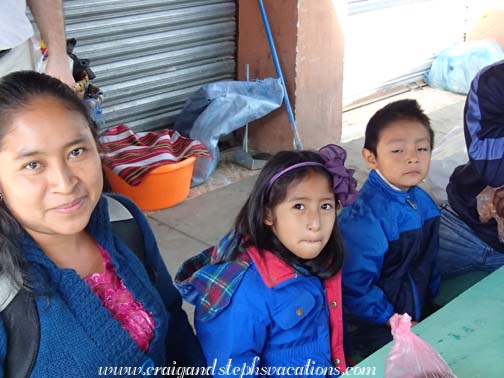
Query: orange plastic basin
pixel 162 187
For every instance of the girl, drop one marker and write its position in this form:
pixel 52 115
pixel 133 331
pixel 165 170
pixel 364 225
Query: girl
pixel 98 308
pixel 268 297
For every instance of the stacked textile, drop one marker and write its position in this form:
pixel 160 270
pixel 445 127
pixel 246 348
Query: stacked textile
pixel 132 155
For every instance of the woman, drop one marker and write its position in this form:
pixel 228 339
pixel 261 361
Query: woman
pixel 97 305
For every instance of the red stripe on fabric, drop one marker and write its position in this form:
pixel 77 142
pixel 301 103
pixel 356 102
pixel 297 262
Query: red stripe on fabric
pixel 124 147
pixel 333 295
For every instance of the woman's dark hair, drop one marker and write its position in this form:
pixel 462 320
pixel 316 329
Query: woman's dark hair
pixel 250 226
pixel 17 91
pixel 407 109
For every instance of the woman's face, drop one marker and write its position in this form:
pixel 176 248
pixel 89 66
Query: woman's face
pixel 50 175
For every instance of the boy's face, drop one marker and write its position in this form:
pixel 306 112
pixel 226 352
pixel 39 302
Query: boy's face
pixel 403 153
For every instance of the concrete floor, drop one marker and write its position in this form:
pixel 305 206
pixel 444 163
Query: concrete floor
pixel 186 229
pixel 199 222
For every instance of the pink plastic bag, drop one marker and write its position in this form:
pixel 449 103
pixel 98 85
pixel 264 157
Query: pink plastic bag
pixel 410 356
pixel 486 209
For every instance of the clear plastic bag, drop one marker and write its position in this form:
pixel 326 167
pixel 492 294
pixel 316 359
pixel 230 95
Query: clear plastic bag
pixel 454 68
pixel 410 356
pixel 218 109
pixel 486 209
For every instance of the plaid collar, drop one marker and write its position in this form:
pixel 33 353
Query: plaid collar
pixel 208 281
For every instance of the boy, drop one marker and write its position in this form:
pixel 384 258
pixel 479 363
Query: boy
pixel 391 231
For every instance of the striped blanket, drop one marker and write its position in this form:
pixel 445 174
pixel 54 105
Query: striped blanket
pixel 132 155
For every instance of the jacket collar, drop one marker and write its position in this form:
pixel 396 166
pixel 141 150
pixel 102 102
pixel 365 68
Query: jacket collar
pixel 377 182
pixel 387 181
pixel 272 269
pixel 209 280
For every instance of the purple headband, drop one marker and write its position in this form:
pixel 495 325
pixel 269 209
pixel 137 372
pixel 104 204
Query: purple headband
pixel 344 185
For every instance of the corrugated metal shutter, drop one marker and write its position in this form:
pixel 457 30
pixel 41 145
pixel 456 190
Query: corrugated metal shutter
pixel 149 56
pixel 390 44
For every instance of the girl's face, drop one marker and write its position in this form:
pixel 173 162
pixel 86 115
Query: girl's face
pixel 50 176
pixel 304 220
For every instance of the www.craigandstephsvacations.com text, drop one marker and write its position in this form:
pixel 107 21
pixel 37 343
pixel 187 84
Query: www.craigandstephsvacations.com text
pixel 231 369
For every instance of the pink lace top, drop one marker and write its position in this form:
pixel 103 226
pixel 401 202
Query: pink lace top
pixel 116 298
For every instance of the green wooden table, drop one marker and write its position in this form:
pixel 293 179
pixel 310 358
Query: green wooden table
pixel 468 332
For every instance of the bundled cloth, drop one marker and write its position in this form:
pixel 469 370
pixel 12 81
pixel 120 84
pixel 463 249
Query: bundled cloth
pixel 132 155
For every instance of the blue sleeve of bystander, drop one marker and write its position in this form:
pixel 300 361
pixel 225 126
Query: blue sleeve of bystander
pixel 484 124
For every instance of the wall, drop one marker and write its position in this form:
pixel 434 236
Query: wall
pixel 309 44
pixel 486 20
pixel 319 72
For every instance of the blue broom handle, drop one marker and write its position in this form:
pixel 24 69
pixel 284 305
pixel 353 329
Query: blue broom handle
pixel 288 107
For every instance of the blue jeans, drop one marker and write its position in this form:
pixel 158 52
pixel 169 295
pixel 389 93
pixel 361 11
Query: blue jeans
pixel 461 250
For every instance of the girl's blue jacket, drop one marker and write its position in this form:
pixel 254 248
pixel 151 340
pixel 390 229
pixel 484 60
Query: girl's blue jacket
pixel 257 316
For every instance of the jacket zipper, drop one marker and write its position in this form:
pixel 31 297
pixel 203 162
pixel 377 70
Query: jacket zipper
pixel 416 301
pixel 410 202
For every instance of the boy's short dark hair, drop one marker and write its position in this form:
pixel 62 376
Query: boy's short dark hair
pixel 395 111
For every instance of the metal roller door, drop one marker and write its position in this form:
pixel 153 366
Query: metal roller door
pixel 149 56
pixel 389 44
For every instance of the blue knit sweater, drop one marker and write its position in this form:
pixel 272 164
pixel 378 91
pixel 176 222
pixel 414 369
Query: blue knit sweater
pixel 78 335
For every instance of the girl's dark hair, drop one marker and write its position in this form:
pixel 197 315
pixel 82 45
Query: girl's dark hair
pixel 17 91
pixel 250 226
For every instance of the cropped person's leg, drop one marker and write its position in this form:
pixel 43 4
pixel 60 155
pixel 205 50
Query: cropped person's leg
pixel 494 260
pixel 461 250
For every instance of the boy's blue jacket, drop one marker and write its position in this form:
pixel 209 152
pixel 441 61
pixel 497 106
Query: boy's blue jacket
pixel 391 243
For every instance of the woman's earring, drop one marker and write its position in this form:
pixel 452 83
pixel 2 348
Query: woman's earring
pixel 1 197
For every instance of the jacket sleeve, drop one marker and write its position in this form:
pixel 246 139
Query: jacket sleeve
pixel 484 124
pixel 182 344
pixel 365 247
pixel 235 338
pixel 3 348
